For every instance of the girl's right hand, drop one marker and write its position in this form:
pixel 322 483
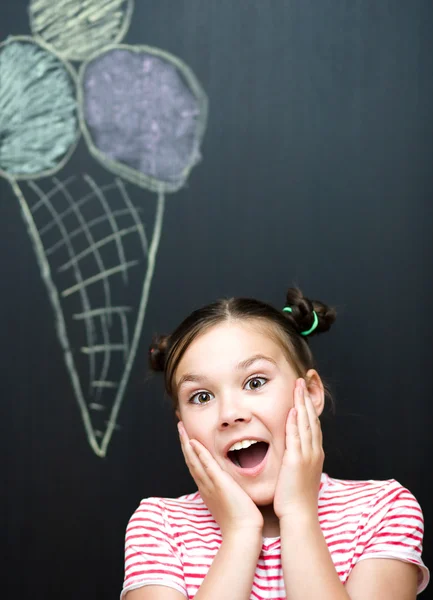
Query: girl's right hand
pixel 230 506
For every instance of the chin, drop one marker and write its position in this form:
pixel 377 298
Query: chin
pixel 262 497
pixel 265 500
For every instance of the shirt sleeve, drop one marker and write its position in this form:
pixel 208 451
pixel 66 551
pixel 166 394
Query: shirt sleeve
pixel 151 554
pixel 395 530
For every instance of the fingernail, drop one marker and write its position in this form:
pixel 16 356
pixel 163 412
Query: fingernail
pixel 180 428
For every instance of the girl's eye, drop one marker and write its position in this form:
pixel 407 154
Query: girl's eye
pixel 200 398
pixel 255 383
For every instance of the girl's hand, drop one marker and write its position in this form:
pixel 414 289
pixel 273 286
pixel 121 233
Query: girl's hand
pixel 230 506
pixel 298 484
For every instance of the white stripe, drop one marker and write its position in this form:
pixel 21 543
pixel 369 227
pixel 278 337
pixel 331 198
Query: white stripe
pixel 181 531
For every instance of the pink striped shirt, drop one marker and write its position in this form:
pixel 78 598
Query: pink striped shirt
pixel 172 542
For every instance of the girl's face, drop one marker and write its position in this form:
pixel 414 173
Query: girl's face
pixel 234 383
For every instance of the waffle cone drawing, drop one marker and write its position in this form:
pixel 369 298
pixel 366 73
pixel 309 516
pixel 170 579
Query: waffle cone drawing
pixel 141 114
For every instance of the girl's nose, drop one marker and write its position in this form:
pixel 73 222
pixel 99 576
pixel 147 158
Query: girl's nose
pixel 233 412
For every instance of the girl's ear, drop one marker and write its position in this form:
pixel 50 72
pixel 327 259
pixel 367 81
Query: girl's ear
pixel 316 390
pixel 178 415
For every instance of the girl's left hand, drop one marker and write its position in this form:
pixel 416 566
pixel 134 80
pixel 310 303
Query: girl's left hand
pixel 298 484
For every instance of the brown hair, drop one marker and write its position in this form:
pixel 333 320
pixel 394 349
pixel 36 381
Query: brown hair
pixel 166 351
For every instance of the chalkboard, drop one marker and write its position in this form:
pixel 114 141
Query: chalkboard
pixel 157 156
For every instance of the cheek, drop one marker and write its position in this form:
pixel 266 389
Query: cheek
pixel 190 427
pixel 278 426
pixel 280 431
pixel 282 402
pixel 197 430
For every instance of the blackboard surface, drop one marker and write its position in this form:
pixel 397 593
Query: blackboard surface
pixel 307 158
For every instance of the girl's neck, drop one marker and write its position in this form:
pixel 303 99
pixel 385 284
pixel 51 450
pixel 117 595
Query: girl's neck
pixel 271 527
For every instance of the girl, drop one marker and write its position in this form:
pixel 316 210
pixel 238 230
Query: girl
pixel 265 521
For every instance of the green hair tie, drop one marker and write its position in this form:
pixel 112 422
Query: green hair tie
pixel 313 326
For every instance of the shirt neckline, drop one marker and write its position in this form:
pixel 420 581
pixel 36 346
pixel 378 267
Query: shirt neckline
pixel 269 543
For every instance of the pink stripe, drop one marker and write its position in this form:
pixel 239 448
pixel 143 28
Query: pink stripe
pixel 358 519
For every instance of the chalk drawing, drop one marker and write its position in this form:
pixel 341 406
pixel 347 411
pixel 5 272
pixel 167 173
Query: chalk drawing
pixel 77 28
pixel 39 125
pixel 143 115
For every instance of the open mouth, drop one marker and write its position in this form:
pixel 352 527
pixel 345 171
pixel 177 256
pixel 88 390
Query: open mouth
pixel 249 458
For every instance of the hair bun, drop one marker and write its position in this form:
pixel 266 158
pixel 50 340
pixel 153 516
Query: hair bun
pixel 158 352
pixel 302 315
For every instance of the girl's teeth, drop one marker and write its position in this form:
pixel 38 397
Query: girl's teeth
pixel 247 443
pixel 243 444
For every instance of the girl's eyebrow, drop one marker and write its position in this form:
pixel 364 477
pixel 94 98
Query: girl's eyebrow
pixel 242 366
pixel 190 377
pixel 245 364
